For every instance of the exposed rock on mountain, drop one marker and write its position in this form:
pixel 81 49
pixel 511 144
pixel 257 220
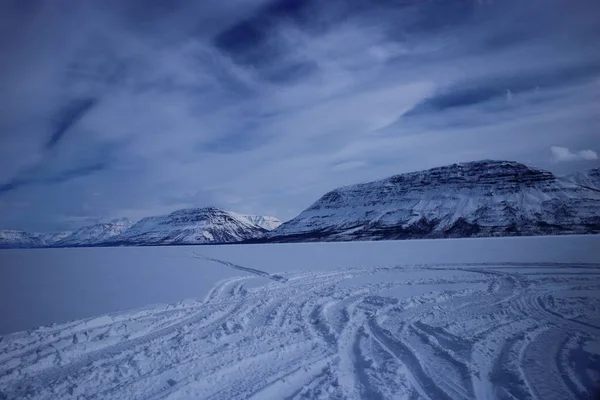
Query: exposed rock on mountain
pixel 484 198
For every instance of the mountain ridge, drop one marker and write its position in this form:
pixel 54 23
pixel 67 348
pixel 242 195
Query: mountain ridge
pixel 190 226
pixel 112 233
pixel 94 234
pixel 474 199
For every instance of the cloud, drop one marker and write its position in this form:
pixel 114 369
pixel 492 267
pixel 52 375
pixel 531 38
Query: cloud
pixel 68 117
pixel 137 108
pixel 506 85
pixel 7 187
pixel 36 178
pixel 349 165
pixel 560 153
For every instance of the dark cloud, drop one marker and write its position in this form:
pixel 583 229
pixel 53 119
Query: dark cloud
pixel 253 34
pixel 431 17
pixel 78 172
pixel 250 41
pixel 67 117
pixel 466 94
pixel 7 187
pixel 60 177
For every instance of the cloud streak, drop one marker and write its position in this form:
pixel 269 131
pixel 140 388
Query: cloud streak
pixel 61 177
pixel 68 117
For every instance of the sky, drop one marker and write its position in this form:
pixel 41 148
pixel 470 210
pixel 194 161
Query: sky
pixel 124 109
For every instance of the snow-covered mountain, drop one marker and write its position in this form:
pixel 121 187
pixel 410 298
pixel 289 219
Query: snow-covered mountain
pixel 188 226
pixel 94 234
pixel 484 198
pixel 10 239
pixel 50 239
pixel 590 179
pixel 264 221
pixel 19 239
pixel 86 236
pixel 191 226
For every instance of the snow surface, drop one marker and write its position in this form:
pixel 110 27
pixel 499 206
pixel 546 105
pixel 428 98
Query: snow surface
pixel 445 319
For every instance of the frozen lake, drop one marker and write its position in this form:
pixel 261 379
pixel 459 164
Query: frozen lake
pixel 44 286
pixel 457 319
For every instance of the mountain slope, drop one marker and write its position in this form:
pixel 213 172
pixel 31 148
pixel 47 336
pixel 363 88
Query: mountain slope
pixel 264 221
pixel 484 198
pixel 191 226
pixel 208 225
pixel 50 239
pixel 94 234
pixel 10 239
pixel 589 179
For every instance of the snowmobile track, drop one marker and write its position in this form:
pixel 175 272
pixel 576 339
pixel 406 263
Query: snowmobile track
pixel 443 331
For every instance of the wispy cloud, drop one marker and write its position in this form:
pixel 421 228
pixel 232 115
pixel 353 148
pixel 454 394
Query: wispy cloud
pixel 349 165
pixel 560 153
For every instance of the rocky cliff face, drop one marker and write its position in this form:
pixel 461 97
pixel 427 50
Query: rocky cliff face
pixel 485 198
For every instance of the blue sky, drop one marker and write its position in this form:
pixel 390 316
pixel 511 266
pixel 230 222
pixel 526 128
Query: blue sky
pixel 117 109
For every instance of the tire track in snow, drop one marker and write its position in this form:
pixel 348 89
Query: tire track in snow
pixel 330 334
pixel 253 271
pixel 423 383
pixel 57 372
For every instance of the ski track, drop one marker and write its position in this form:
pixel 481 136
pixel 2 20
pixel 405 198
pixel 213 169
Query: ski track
pixel 516 330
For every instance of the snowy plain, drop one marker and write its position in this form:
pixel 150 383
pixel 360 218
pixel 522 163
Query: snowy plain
pixel 433 319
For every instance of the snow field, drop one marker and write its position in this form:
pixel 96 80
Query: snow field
pixel 430 331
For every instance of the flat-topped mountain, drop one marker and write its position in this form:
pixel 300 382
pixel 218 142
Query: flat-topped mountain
pixel 483 198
